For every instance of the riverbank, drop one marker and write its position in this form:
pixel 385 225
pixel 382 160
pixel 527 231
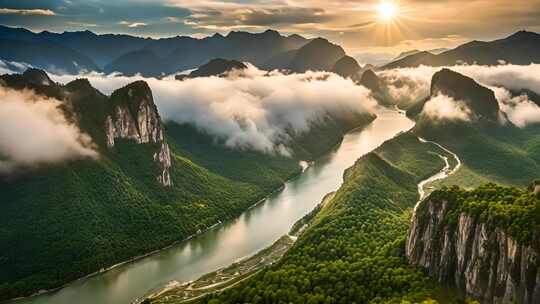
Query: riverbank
pixel 228 277
pixel 255 229
pixel 444 173
pixel 222 279
pixel 353 250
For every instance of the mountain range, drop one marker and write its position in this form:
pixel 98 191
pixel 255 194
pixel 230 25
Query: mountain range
pixel 413 52
pixel 519 48
pixel 74 52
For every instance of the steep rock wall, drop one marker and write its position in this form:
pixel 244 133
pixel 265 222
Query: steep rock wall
pixel 484 262
pixel 134 116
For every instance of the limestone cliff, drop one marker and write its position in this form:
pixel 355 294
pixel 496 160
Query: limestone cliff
pixel 133 115
pixel 473 254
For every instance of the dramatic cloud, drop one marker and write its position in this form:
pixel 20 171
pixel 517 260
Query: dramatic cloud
pixel 34 131
pixel 27 12
pixel 519 109
pixel 238 17
pixel 254 110
pixel 442 107
pixel 408 85
pixel 10 67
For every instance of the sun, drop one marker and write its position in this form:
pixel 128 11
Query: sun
pixel 387 11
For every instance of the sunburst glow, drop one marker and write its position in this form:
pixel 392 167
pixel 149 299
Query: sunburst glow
pixel 387 10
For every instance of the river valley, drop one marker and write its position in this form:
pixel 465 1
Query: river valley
pixel 254 230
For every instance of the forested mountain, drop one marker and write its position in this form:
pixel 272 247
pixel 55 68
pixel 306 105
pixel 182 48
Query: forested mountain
pixel 489 147
pixel 152 184
pixel 519 48
pixel 353 249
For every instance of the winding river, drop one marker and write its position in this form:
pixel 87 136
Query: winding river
pixel 220 246
pixel 444 173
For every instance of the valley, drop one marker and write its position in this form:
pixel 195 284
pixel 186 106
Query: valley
pixel 269 152
pixel 253 231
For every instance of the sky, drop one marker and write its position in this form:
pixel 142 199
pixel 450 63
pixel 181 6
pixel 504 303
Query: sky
pixel 357 25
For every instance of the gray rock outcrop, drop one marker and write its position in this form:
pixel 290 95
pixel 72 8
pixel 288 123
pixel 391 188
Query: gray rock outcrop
pixel 484 262
pixel 134 116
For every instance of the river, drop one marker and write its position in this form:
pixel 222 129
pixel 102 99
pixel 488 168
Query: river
pixel 444 173
pixel 255 229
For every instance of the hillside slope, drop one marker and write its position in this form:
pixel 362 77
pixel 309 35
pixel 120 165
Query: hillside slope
pixel 153 184
pixel 353 249
pixel 491 150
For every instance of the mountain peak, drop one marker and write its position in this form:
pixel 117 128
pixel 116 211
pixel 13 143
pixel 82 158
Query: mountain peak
pixel 319 40
pixel 80 85
pixel 135 116
pixel 524 35
pixel 371 81
pixel 133 94
pixel 346 67
pixel 318 55
pixel 479 99
pixel 216 67
pixel 296 36
pixel 37 77
pixel 271 33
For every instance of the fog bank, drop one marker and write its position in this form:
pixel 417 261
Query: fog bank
pixel 34 131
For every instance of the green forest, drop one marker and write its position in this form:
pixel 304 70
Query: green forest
pixel 88 215
pixel 490 152
pixel 511 209
pixel 352 252
pixel 62 222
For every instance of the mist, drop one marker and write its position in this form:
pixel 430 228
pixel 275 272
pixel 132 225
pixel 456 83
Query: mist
pixel 408 85
pixel 249 109
pixel 442 107
pixel 34 131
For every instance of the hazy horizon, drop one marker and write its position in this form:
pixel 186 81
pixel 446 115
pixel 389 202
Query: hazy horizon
pixel 358 26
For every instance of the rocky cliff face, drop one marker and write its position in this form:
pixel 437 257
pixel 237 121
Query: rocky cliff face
pixel 134 116
pixel 484 262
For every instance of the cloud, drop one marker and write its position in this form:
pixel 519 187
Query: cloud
pixel 26 12
pixel 255 110
pixel 254 17
pixel 519 109
pixel 133 24
pixel 34 131
pixel 408 85
pixel 11 67
pixel 442 107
